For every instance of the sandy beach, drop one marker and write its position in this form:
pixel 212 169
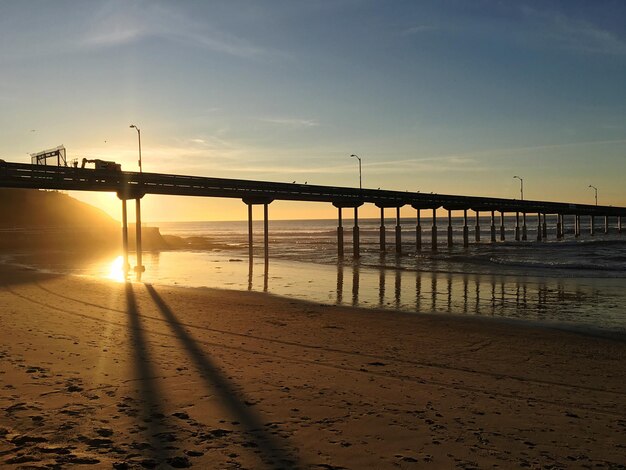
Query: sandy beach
pixel 113 375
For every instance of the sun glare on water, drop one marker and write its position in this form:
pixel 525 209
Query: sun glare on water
pixel 117 270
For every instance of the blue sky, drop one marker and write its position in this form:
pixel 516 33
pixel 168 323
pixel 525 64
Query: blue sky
pixel 444 96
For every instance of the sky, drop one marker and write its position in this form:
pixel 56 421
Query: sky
pixel 444 96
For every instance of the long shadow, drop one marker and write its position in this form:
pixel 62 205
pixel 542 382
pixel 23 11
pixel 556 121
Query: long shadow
pixel 152 417
pixel 272 451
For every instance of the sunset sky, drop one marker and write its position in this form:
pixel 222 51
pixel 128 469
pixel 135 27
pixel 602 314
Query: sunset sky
pixel 449 96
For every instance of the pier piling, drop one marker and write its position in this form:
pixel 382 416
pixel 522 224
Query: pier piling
pixel 577 226
pixel 266 241
pixel 383 248
pixel 502 230
pixel 418 231
pixel 493 226
pixel 398 232
pixel 524 232
pixel 465 230
pixel 126 266
pixel 517 227
pixel 356 249
pixel 250 240
pixel 619 224
pixel 606 224
pixel 339 233
pixel 592 229
pixel 544 227
pixel 434 231
pixel 139 268
pixel 450 241
pixel 559 232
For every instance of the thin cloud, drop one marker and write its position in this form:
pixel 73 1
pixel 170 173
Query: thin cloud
pixel 575 34
pixel 291 122
pixel 418 29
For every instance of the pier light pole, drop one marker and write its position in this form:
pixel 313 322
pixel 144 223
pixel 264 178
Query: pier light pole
pixel 132 126
pixel 596 192
pixel 360 179
pixel 521 188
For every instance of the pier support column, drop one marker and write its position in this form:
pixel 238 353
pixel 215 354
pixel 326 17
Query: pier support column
pixel 538 227
pixel 383 247
pixel 465 229
pixel 398 232
pixel 577 226
pixel 606 224
pixel 450 241
pixel 126 267
pixel 250 241
pixel 434 231
pixel 356 249
pixel 477 234
pixel 619 224
pixel 544 227
pixel 559 229
pixel 339 234
pixel 502 230
pixel 266 240
pixel 493 226
pixel 418 231
pixel 517 226
pixel 524 231
pixel 140 268
pixel 592 229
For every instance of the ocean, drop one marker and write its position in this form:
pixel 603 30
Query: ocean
pixel 572 283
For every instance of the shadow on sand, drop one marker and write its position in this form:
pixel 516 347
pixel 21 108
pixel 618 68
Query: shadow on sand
pixel 152 418
pixel 273 452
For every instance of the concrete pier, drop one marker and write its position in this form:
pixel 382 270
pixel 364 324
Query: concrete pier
pixel 450 241
pixel 339 233
pixel 382 236
pixel 465 230
pixel 126 266
pixel 266 241
pixel 356 249
pixel 418 231
pixel 139 268
pixel 398 232
pixel 493 226
pixel 477 228
pixel 250 233
pixel 538 227
pixel 524 231
pixel 517 234
pixel 434 231
pixel 502 230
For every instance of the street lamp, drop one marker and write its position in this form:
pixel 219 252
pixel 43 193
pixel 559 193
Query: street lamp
pixel 596 190
pixel 359 159
pixel 132 126
pixel 521 188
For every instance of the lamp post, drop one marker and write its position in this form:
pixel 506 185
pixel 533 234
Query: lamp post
pixel 138 137
pixel 596 191
pixel 521 189
pixel 359 159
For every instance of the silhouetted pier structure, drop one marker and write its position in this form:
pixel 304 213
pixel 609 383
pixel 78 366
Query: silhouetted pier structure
pixel 134 185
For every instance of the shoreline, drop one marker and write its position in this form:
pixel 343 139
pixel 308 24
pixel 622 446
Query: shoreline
pixel 135 375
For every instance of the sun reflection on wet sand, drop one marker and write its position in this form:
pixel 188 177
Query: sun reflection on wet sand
pixel 116 271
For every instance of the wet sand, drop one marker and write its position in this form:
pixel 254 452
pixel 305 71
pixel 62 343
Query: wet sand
pixel 113 375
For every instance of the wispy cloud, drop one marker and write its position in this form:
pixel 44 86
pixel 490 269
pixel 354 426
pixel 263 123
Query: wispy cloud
pixel 291 122
pixel 579 35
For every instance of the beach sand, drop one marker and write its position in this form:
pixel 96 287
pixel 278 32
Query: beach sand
pixel 113 375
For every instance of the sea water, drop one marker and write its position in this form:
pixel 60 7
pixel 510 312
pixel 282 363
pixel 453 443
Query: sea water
pixel 574 282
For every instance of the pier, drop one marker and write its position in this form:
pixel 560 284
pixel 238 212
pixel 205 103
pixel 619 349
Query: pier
pixel 135 185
